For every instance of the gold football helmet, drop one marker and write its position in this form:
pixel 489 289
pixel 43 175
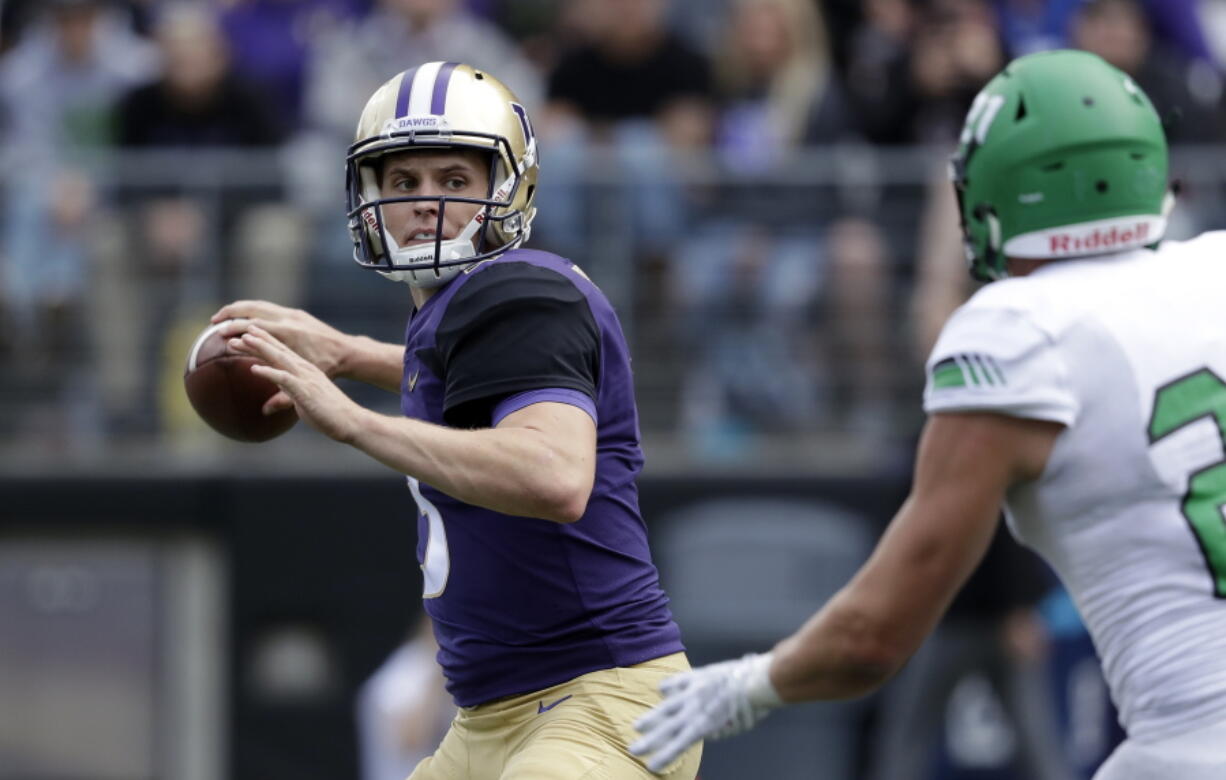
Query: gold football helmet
pixel 442 105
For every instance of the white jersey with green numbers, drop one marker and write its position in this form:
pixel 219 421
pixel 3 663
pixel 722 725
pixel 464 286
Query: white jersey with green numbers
pixel 1129 352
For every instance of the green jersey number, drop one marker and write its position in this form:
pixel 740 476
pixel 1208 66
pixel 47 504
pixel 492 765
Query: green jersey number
pixel 1179 403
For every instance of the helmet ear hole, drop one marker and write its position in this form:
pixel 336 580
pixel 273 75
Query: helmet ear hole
pixel 1101 185
pixel 1021 110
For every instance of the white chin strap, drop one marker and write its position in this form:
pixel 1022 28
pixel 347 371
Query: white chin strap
pixel 456 248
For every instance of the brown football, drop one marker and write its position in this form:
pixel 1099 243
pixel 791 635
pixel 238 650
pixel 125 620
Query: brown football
pixel 227 395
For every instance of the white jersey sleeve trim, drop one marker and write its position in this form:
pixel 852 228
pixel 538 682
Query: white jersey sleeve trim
pixel 997 360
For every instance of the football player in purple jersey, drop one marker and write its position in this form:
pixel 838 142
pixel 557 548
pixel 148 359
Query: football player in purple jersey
pixel 519 437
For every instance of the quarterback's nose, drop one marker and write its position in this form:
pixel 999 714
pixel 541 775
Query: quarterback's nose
pixel 427 207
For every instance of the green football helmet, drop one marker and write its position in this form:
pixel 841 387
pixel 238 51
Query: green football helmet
pixel 1061 155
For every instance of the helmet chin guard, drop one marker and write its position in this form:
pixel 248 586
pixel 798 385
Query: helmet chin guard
pixel 453 255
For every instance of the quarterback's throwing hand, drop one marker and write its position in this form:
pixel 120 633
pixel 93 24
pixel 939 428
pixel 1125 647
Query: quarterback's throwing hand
pixel 709 702
pixel 318 342
pixel 315 397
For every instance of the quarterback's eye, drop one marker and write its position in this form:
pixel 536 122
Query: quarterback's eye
pixel 404 183
pixel 455 183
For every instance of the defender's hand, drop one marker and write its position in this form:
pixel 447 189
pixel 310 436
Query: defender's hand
pixel 314 396
pixel 709 702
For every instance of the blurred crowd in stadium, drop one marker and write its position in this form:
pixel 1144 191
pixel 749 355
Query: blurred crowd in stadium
pixel 759 185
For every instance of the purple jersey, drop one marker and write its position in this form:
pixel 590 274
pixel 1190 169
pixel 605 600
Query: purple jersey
pixel 520 604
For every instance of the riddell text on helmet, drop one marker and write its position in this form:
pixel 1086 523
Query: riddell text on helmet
pixel 1098 240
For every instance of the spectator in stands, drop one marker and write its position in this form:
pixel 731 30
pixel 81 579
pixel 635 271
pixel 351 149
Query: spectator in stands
pixel 955 51
pixel 744 300
pixel 58 87
pixel 1028 26
pixel 876 71
pixel 403 710
pixel 15 17
pixel 199 100
pixel 1180 25
pixel 182 226
pixel 1187 93
pixel 271 42
pixel 542 28
pixel 912 71
pixel 775 267
pixel 633 93
pixel 633 68
pixel 775 83
pixel 354 59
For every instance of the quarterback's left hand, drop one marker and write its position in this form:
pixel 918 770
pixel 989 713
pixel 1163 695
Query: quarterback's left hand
pixel 709 702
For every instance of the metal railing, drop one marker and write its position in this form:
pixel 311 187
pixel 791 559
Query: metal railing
pixel 770 311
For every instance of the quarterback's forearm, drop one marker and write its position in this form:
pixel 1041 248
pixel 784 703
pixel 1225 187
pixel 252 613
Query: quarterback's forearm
pixel 516 471
pixel 373 362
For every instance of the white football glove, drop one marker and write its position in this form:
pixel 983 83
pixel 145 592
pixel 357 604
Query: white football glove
pixel 710 702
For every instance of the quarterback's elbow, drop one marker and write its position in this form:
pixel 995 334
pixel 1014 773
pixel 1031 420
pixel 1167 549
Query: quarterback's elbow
pixel 572 490
pixel 561 499
pixel 560 512
pixel 569 506
pixel 570 513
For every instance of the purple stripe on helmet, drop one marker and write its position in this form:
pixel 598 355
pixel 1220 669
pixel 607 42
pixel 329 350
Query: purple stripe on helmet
pixel 438 100
pixel 406 89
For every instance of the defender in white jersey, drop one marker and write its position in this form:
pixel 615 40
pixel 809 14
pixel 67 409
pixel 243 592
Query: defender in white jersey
pixel 1085 390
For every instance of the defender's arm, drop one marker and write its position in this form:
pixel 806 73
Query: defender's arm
pixel 868 630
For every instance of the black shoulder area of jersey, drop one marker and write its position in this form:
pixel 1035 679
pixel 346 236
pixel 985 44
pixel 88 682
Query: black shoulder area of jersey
pixel 514 327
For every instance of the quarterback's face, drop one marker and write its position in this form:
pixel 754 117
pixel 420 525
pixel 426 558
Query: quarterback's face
pixel 426 173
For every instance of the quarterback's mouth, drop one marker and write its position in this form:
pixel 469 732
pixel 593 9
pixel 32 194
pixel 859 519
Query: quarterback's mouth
pixel 423 237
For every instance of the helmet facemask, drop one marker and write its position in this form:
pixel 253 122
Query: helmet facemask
pixel 430 264
pixel 985 264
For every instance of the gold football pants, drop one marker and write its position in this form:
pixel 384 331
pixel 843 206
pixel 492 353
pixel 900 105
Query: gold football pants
pixel 578 730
